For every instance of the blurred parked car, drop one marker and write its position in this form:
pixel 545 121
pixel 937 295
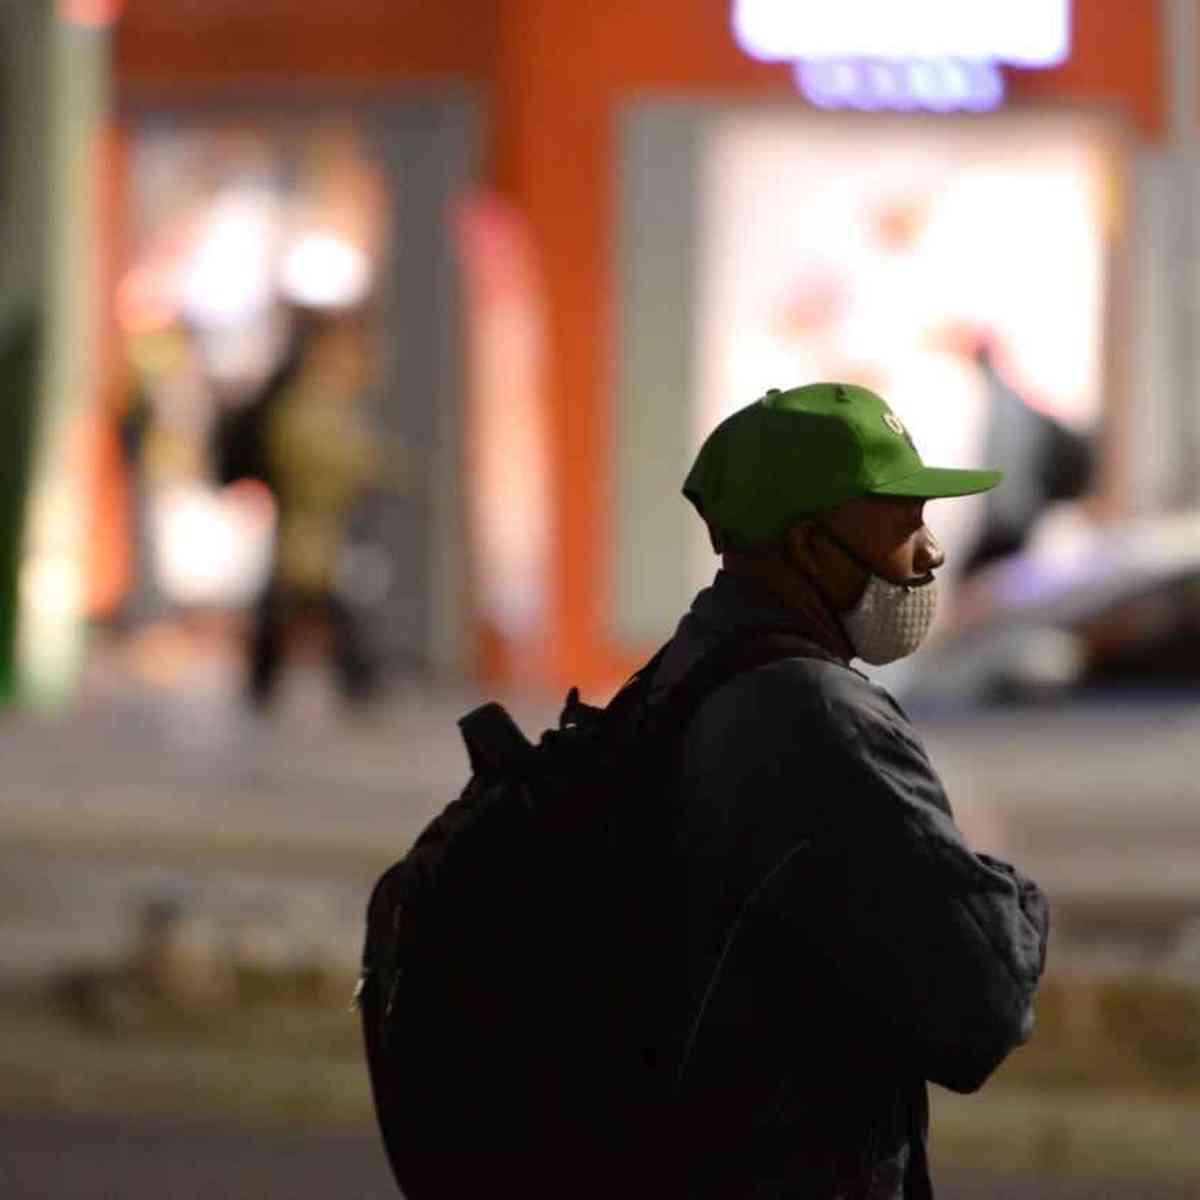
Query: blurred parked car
pixel 1106 614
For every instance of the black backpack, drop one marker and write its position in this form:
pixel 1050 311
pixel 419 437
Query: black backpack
pixel 519 961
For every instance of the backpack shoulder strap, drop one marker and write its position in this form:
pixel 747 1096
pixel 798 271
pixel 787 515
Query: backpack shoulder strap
pixel 671 715
pixel 630 701
pixel 633 717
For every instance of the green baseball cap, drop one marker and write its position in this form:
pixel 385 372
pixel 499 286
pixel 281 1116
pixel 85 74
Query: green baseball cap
pixel 807 450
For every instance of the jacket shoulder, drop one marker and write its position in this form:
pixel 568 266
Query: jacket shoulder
pixel 825 692
pixel 810 718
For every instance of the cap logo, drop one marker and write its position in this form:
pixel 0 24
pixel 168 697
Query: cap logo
pixel 894 423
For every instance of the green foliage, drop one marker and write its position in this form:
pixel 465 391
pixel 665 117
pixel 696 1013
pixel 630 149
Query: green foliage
pixel 18 384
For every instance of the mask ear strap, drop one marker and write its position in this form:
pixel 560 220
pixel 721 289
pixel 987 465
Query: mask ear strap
pixel 818 589
pixel 854 557
pixel 859 562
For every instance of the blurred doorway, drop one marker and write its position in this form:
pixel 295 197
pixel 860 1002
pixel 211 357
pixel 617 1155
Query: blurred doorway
pixel 296 248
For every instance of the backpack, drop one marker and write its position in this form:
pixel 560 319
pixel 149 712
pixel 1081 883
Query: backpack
pixel 518 959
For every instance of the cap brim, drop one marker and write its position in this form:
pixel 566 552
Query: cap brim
pixel 936 483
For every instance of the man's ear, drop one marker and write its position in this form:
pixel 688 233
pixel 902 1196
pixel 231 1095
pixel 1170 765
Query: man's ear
pixel 801 543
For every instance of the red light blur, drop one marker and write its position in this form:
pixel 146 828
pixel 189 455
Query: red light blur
pixel 91 14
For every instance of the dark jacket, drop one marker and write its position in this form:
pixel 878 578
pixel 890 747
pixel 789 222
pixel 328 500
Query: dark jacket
pixel 844 945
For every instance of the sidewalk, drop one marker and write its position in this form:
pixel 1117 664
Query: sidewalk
pixel 144 792
pixel 155 772
pixel 153 788
pixel 103 1156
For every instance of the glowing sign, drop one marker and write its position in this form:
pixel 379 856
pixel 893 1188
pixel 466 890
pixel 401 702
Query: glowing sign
pixel 932 85
pixel 936 55
pixel 1022 33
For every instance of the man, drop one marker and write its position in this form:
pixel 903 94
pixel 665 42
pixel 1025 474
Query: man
pixel 844 945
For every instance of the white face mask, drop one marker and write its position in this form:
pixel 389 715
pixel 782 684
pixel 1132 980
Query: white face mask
pixel 891 620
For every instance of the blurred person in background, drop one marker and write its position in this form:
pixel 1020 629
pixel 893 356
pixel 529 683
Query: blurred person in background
pixel 1044 461
pixel 306 435
pixel 844 943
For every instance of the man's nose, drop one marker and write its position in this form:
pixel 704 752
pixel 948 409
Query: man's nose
pixel 928 555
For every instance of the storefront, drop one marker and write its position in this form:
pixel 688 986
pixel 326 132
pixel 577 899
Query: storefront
pixel 610 66
pixel 286 237
pixel 608 157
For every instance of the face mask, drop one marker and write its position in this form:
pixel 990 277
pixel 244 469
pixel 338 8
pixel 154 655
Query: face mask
pixel 892 619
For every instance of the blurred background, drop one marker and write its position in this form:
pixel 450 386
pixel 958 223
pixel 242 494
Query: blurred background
pixel 352 357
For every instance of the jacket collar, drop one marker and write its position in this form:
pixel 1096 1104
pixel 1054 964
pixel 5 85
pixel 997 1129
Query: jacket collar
pixel 730 606
pixel 734 604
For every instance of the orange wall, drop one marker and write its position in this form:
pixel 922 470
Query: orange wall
pixel 172 42
pixel 1116 58
pixel 563 70
pixel 556 71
